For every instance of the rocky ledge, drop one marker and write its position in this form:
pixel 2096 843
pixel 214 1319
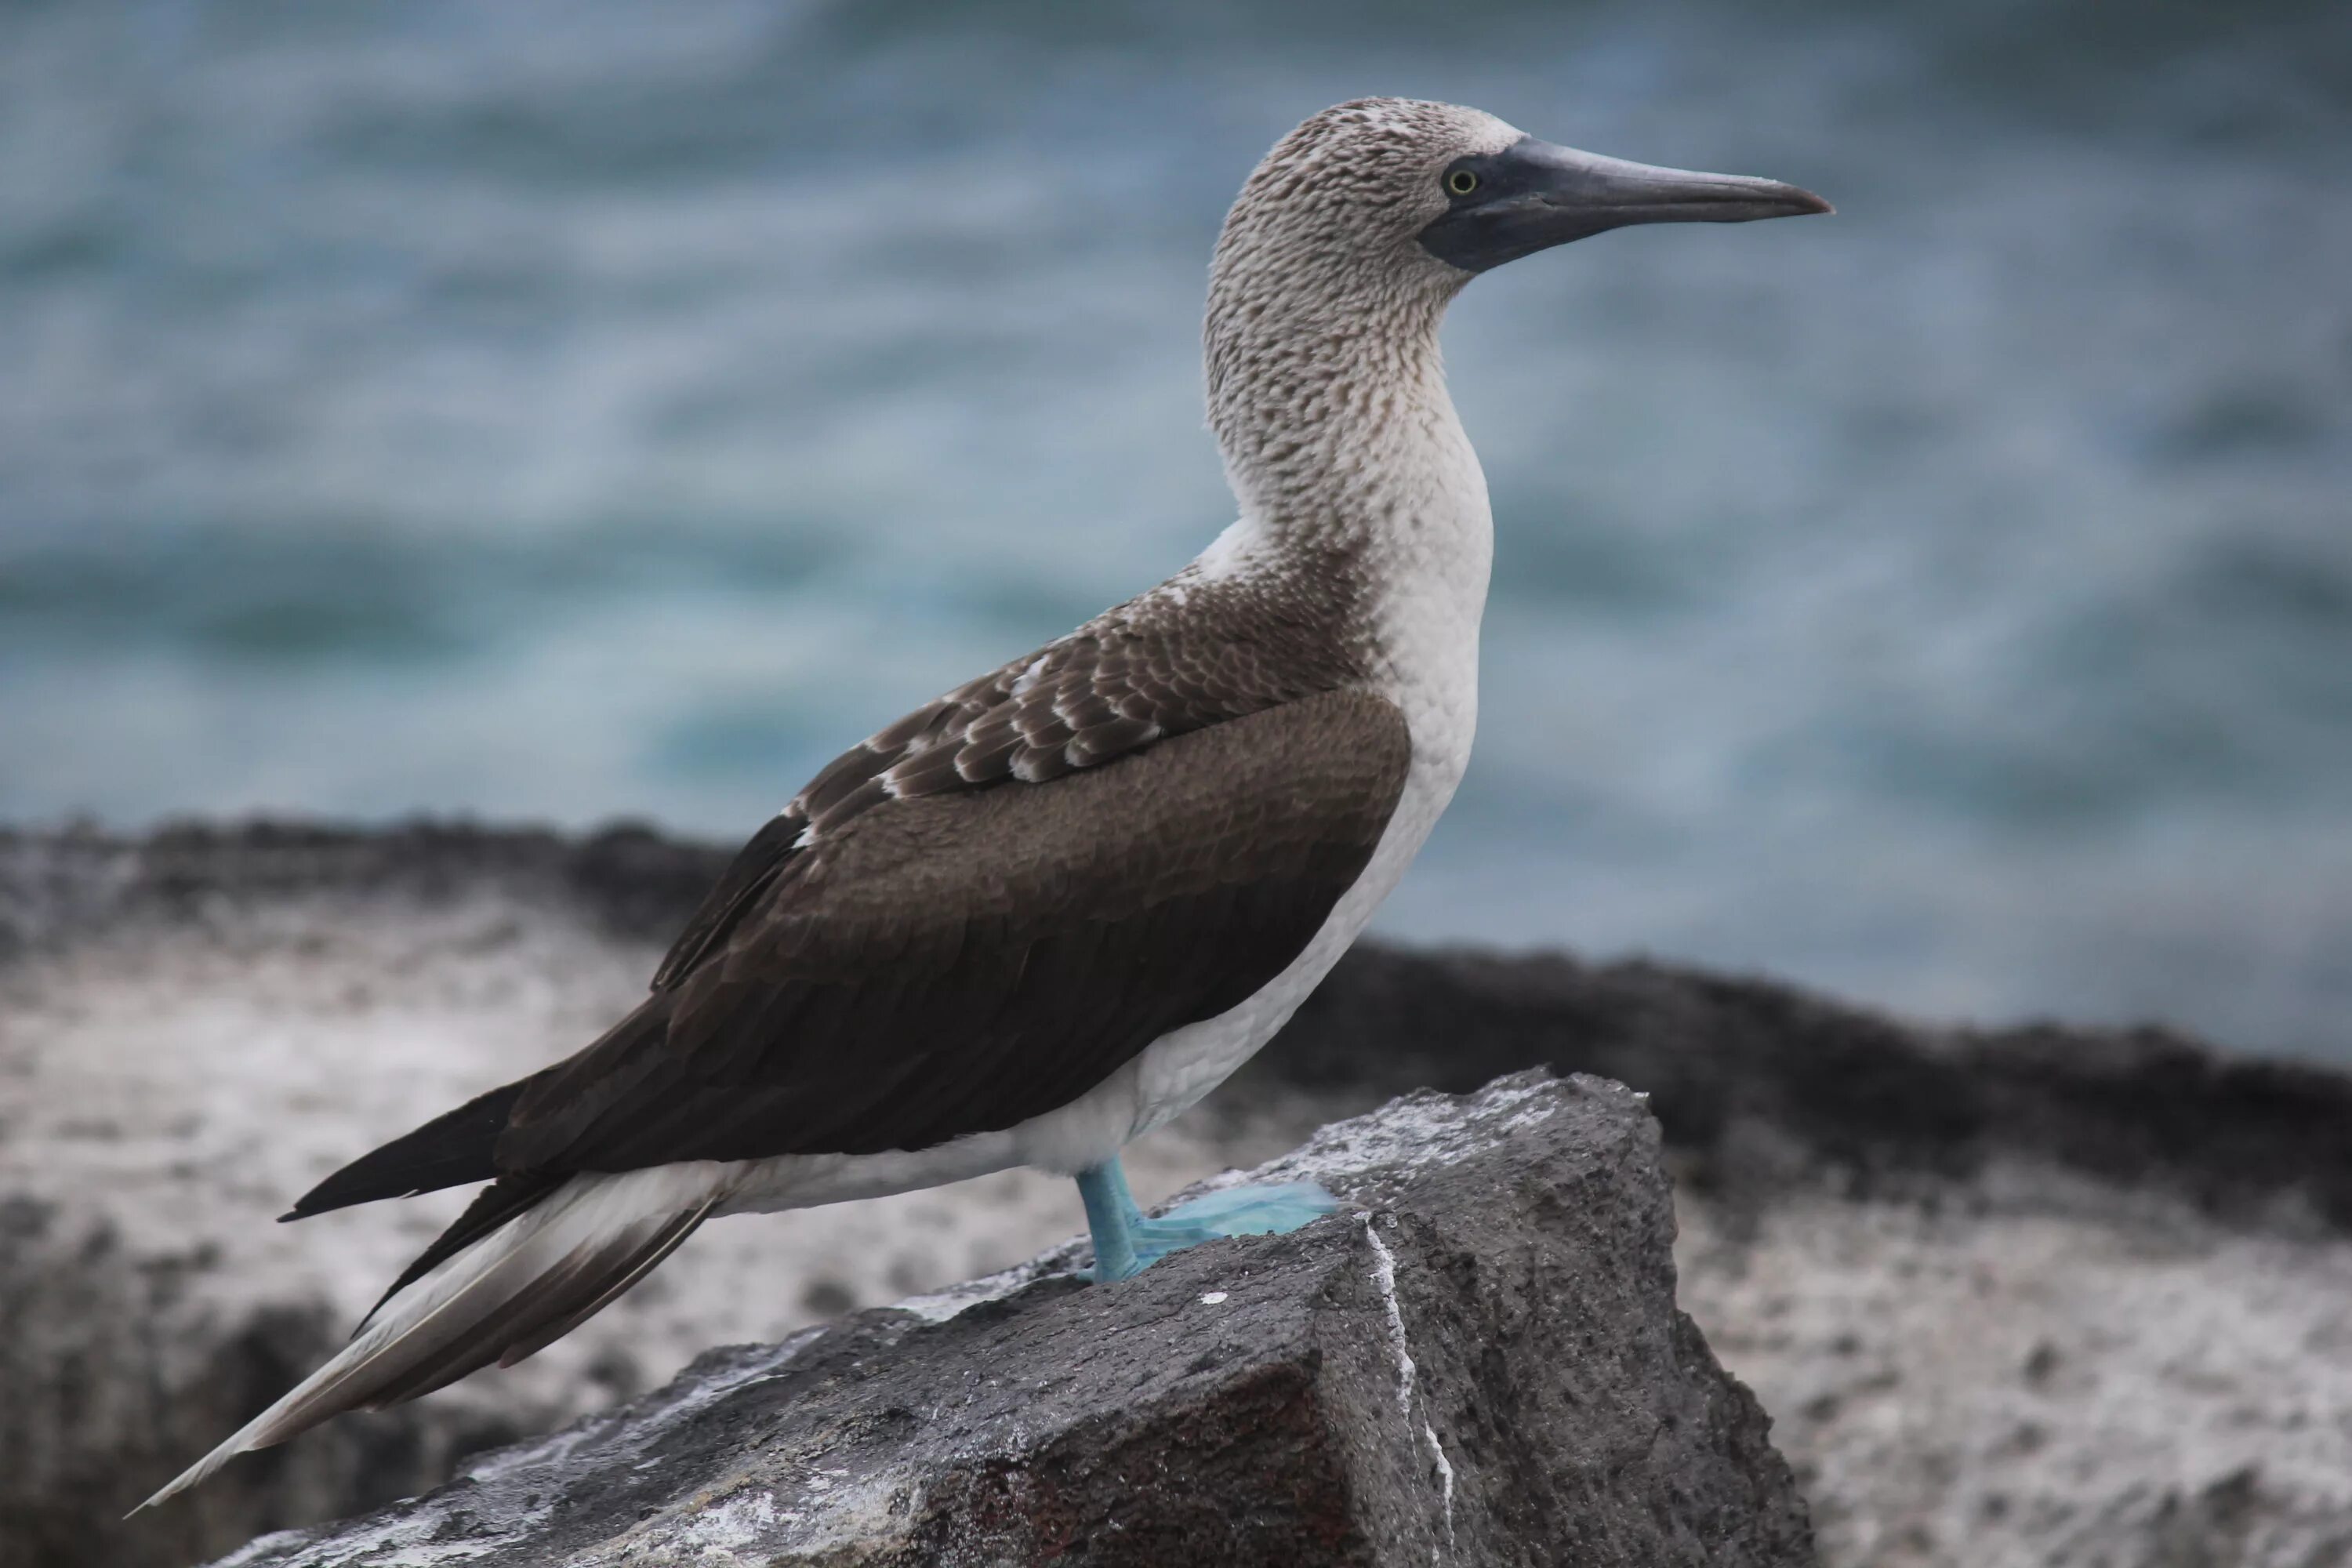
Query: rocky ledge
pixel 2013 1296
pixel 1478 1359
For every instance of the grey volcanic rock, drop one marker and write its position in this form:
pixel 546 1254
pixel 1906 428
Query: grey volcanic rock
pixel 2012 1297
pixel 1480 1361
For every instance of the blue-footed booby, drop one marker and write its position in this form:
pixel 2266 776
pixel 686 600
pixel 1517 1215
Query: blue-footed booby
pixel 1049 911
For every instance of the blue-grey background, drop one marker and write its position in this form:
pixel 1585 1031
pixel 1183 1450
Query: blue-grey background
pixel 564 411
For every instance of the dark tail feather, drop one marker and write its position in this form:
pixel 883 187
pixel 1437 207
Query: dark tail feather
pixel 514 1284
pixel 449 1151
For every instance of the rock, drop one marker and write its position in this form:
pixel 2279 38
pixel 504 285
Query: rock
pixel 2024 1371
pixel 2012 1296
pixel 1478 1361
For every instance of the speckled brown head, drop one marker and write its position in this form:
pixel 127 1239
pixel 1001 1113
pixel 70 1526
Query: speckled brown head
pixel 1345 245
pixel 1434 193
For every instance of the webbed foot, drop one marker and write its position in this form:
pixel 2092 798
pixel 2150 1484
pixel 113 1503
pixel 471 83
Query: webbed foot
pixel 1126 1243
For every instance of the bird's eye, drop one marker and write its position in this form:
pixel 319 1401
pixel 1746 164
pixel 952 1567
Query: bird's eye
pixel 1462 181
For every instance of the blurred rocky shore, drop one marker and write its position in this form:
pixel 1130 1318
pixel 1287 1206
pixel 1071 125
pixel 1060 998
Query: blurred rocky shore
pixel 2009 1297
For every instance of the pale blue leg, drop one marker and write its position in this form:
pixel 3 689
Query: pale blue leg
pixel 1111 1216
pixel 1126 1242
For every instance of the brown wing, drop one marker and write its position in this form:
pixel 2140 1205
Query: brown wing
pixel 967 959
pixel 1136 680
pixel 1109 689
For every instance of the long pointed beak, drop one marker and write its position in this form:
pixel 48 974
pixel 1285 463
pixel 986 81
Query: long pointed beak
pixel 1534 195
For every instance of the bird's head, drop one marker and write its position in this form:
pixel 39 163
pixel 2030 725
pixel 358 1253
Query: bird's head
pixel 1347 242
pixel 1410 198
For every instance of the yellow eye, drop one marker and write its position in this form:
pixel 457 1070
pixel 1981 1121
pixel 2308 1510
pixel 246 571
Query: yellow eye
pixel 1462 181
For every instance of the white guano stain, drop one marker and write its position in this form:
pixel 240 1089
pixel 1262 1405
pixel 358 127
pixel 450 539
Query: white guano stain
pixel 727 1527
pixel 1384 1277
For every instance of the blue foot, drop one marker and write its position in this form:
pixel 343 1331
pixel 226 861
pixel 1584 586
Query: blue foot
pixel 1126 1242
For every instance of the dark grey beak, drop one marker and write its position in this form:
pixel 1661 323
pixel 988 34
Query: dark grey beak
pixel 1533 196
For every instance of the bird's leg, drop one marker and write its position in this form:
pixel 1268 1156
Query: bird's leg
pixel 1112 1217
pixel 1126 1243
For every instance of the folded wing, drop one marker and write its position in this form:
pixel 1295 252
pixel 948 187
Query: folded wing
pixel 961 962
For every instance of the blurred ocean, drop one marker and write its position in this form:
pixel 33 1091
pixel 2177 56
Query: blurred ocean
pixel 571 411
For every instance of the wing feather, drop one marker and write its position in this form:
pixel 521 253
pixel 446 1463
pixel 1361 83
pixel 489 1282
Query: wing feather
pixel 961 963
pixel 1105 691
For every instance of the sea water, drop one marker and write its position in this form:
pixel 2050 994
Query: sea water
pixel 570 411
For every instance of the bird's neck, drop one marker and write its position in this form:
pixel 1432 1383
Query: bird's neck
pixel 1343 447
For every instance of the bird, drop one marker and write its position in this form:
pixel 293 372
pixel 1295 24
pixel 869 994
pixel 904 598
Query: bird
pixel 1048 913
